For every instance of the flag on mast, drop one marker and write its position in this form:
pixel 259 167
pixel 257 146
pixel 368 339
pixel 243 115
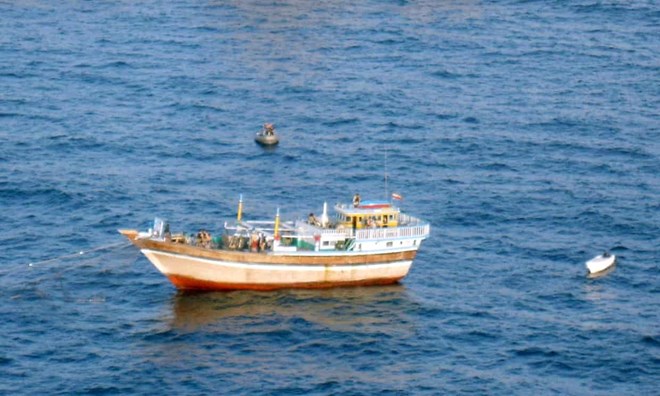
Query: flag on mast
pixel 396 196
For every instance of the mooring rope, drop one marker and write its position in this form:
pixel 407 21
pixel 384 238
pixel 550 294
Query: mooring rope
pixel 80 253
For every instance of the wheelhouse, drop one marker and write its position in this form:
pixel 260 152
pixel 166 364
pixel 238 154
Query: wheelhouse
pixel 368 214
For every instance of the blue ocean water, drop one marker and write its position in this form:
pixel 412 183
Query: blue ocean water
pixel 526 132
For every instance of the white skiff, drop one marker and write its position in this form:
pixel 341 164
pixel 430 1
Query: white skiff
pixel 600 263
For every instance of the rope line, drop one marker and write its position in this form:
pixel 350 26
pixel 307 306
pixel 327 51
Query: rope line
pixel 80 253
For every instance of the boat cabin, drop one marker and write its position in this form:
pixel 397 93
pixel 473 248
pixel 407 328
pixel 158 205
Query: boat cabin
pixel 367 214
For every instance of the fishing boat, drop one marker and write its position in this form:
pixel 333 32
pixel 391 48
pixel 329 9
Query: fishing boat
pixel 365 243
pixel 600 263
pixel 267 136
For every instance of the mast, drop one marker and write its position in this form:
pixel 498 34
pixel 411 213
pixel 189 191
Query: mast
pixel 239 214
pixel 276 231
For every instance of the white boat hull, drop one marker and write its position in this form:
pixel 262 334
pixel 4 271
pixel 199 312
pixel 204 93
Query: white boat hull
pixel 187 272
pixel 600 263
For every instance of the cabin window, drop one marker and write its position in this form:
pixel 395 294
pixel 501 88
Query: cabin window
pixel 389 244
pixel 415 242
pixel 360 218
pixel 348 218
pixel 326 243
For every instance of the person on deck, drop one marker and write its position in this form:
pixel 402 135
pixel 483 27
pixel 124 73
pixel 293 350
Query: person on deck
pixel 356 200
pixel 269 129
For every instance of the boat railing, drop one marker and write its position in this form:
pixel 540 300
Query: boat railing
pixel 346 232
pixel 420 230
pixel 312 229
pixel 409 227
pixel 408 220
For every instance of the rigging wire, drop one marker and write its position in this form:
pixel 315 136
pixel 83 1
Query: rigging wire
pixel 80 253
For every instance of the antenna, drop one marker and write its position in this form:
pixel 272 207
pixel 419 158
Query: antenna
pixel 387 193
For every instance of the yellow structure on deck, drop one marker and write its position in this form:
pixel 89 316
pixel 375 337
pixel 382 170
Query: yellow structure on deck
pixel 368 214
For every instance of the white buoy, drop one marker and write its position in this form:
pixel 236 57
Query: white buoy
pixel 600 263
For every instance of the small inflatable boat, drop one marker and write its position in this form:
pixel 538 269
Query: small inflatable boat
pixel 600 263
pixel 267 136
